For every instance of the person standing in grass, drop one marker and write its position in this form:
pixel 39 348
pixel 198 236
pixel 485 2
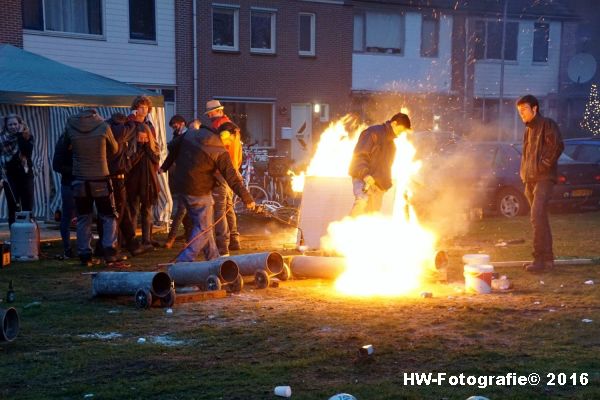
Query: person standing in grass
pixel 199 154
pixel 542 146
pixel 142 180
pixel 91 140
pixel 16 149
pixel 62 162
pixel 226 231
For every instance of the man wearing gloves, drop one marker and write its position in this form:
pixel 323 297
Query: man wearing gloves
pixel 371 166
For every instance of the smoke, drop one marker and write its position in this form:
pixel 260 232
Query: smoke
pixel 447 193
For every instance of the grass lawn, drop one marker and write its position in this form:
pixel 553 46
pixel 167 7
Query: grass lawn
pixel 304 335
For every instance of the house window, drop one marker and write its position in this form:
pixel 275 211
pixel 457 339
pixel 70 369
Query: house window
pixel 359 32
pixel 306 34
pixel 430 36
pixel 225 28
pixel 379 32
pixel 255 119
pixel 142 20
pixel 488 40
pixel 70 16
pixel 541 38
pixel 262 31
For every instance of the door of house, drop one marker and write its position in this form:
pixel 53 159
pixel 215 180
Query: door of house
pixel 301 134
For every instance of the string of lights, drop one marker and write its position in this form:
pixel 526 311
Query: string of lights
pixel 591 116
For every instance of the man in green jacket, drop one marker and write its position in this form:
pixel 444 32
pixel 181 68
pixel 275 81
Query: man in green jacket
pixel 542 145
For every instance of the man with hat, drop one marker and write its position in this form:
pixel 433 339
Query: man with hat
pixel 226 233
pixel 371 166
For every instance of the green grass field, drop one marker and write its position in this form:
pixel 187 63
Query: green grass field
pixel 305 335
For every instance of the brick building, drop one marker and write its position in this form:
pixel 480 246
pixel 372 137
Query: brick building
pixel 282 68
pixel 11 28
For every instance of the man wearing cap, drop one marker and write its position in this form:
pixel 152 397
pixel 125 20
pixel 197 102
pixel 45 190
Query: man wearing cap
pixel 371 166
pixel 226 233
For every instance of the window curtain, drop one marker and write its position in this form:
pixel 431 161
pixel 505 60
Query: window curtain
pixel 384 30
pixel 68 16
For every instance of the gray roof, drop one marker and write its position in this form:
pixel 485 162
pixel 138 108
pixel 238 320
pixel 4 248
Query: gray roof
pixel 30 79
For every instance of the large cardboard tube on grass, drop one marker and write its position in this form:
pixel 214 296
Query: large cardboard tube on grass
pixel 10 324
pixel 196 273
pixel 249 264
pixel 128 283
pixel 317 267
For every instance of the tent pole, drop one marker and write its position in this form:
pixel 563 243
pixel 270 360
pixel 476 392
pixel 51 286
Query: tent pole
pixel 195 60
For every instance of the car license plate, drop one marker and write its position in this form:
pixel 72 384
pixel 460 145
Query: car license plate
pixel 581 193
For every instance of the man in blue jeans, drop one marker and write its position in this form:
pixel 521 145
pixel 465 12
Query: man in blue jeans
pixel 199 154
pixel 62 162
pixel 542 146
pixel 91 140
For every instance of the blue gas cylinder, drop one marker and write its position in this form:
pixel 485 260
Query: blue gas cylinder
pixel 24 237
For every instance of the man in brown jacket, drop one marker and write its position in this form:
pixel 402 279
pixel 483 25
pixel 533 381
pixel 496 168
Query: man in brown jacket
pixel 542 145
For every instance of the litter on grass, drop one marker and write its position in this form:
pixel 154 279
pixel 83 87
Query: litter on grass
pixel 101 335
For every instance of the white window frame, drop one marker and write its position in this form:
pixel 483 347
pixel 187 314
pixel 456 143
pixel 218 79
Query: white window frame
pixel 313 34
pixel 273 13
pixel 74 35
pixel 324 113
pixel 236 27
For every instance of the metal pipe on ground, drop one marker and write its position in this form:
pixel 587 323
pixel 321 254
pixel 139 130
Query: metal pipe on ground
pixel 198 273
pixel 249 264
pixel 317 267
pixel 10 324
pixel 575 261
pixel 128 283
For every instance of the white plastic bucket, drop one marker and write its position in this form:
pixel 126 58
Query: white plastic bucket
pixel 478 278
pixel 476 259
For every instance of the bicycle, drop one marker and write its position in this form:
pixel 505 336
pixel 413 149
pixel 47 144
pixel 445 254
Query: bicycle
pixel 276 179
pixel 259 194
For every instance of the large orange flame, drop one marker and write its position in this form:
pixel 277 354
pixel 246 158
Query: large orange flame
pixel 387 255
pixel 333 154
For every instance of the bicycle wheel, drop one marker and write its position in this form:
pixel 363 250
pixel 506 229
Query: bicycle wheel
pixel 258 194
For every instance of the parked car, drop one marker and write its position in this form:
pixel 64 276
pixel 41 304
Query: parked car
pixel 583 149
pixel 487 173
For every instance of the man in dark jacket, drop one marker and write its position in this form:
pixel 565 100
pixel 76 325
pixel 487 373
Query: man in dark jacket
pixel 371 166
pixel 179 215
pixel 199 154
pixel 62 162
pixel 91 140
pixel 542 146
